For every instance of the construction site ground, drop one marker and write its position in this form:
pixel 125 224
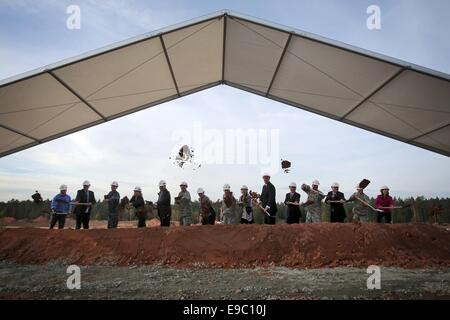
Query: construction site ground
pixel 317 261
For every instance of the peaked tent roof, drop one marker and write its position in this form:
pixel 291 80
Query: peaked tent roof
pixel 396 99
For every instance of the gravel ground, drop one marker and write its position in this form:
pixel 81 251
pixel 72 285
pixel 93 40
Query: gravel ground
pixel 161 282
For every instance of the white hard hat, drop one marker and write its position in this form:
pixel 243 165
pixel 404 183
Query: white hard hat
pixel 184 183
pixel 266 174
pixel 200 190
pixel 226 187
pixel 63 187
pixel 293 184
pixel 114 183
pixel 335 185
pixel 244 187
pixel 86 183
pixel 137 189
pixel 384 188
pixel 315 183
pixel 162 183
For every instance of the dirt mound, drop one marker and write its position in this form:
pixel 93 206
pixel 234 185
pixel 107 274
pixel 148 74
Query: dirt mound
pixel 153 223
pixel 42 222
pixel 296 246
pixel 7 220
pixel 40 219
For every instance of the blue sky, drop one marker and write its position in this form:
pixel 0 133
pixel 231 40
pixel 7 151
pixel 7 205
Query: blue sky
pixel 134 150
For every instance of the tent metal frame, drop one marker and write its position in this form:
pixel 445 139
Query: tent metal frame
pixel 225 14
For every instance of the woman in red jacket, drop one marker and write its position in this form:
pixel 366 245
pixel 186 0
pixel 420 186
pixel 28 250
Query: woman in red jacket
pixel 384 201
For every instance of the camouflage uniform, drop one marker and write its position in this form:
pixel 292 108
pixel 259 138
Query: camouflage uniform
pixel 113 212
pixel 313 210
pixel 184 202
pixel 206 211
pixel 229 209
pixel 245 204
pixel 360 210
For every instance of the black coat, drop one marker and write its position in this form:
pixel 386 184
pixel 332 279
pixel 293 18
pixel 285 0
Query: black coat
pixel 267 198
pixel 290 208
pixel 163 204
pixel 139 206
pixel 137 202
pixel 82 198
pixel 336 208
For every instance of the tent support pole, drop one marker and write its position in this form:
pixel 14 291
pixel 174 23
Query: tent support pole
pixel 65 85
pixel 279 64
pixel 224 46
pixel 385 83
pixel 169 64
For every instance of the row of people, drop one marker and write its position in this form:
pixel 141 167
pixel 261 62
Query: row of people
pixel 233 210
pixel 336 200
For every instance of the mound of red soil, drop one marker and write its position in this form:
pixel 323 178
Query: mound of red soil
pixel 153 223
pixel 40 219
pixel 297 246
pixel 7 220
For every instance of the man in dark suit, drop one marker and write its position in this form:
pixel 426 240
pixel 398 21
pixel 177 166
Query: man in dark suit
pixel 163 205
pixel 337 210
pixel 83 212
pixel 292 203
pixel 268 200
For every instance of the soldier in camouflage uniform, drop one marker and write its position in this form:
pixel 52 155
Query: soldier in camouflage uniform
pixel 184 202
pixel 207 213
pixel 360 210
pixel 245 205
pixel 313 204
pixel 113 199
pixel 228 206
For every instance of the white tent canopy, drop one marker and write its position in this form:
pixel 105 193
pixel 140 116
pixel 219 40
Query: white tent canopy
pixel 364 89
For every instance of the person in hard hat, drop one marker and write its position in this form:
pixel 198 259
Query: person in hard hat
pixel 313 204
pixel 267 200
pixel 184 202
pixel 292 202
pixel 60 208
pixel 207 212
pixel 137 201
pixel 113 199
pixel 384 201
pixel 37 198
pixel 163 205
pixel 228 206
pixel 245 204
pixel 83 212
pixel 337 210
pixel 360 211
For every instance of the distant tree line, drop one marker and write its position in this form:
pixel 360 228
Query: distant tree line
pixel 421 210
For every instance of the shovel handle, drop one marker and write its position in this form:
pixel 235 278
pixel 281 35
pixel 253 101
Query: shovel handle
pixel 80 204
